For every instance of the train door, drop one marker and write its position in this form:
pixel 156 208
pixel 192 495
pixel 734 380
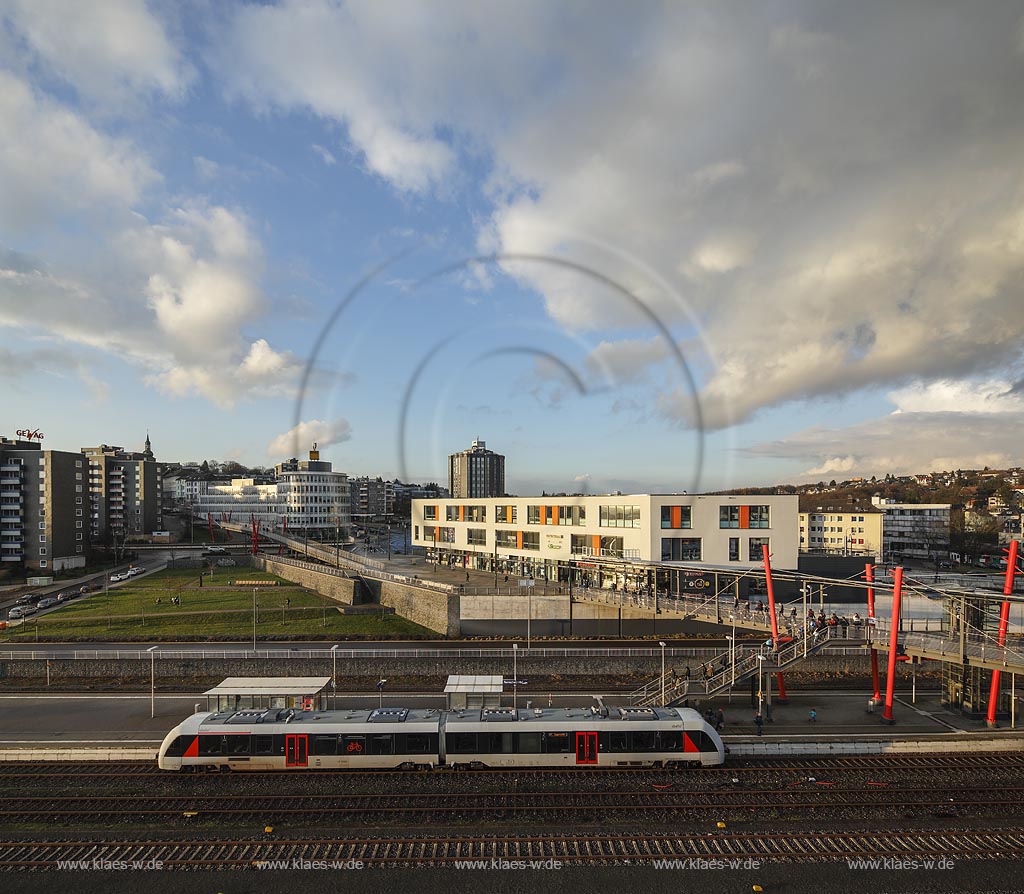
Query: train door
pixel 586 748
pixel 296 751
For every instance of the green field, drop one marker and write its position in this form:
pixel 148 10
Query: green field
pixel 143 609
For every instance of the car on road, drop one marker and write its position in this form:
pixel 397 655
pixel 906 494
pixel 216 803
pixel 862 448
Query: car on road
pixel 47 602
pixel 28 599
pixel 132 572
pixel 215 551
pixel 20 611
pixel 117 578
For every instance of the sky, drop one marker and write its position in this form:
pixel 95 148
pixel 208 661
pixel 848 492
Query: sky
pixel 639 247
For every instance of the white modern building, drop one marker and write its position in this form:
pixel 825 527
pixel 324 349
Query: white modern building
pixel 307 497
pixel 608 540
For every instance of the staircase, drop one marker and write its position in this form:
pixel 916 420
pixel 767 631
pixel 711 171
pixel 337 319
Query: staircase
pixel 727 676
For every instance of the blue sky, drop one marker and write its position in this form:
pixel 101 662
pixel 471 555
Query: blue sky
pixel 610 241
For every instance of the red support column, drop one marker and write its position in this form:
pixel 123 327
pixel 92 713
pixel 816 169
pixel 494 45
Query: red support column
pixel 869 576
pixel 771 595
pixel 1004 618
pixel 781 698
pixel 894 634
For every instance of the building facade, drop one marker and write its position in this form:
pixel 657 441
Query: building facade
pixel 307 497
pixel 476 473
pixel 43 504
pixel 840 529
pixel 371 498
pixel 605 540
pixel 125 493
pixel 913 530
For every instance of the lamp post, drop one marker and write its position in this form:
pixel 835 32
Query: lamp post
pixel 380 691
pixel 760 690
pixel 254 619
pixel 515 675
pixel 732 655
pixel 662 673
pixel 529 614
pixel 152 681
pixel 334 674
pixel 803 589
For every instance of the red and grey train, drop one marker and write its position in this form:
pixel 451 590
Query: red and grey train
pixel 383 738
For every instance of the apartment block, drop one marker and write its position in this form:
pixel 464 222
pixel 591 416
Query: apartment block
pixel 125 492
pixel 840 528
pixel 476 473
pixel 43 503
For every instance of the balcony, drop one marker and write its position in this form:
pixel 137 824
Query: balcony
pixel 11 467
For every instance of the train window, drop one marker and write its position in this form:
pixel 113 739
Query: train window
pixel 417 743
pixel 209 745
pixel 325 744
pixel 619 741
pixel 496 743
pixel 178 746
pixel 264 745
pixel 642 740
pixel 557 743
pixel 703 741
pixel 353 745
pixel 527 743
pixel 238 744
pixel 670 740
pixel 461 743
pixel 382 744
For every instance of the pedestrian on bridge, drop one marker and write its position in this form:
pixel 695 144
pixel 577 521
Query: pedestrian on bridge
pixel 686 674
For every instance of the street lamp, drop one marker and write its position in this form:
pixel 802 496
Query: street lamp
pixel 152 681
pixel 515 675
pixel 760 686
pixel 254 619
pixel 334 674
pixel 662 673
pixel 380 691
pixel 732 655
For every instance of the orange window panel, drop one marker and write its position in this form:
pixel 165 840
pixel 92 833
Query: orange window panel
pixel 677 516
pixel 596 544
pixel 554 515
pixel 744 516
pixel 437 534
pixel 519 539
pixel 462 513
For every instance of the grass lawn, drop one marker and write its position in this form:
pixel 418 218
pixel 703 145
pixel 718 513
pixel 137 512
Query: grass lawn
pixel 217 610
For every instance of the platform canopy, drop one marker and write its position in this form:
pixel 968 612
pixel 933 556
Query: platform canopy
pixel 474 683
pixel 270 686
pixel 236 693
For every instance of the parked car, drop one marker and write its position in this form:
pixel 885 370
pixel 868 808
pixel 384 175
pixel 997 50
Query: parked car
pixel 48 602
pixel 215 551
pixel 116 578
pixel 20 611
pixel 132 572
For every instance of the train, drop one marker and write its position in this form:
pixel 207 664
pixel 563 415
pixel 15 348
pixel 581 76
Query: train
pixel 415 738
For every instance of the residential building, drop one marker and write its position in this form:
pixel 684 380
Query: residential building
pixel 125 492
pixel 840 528
pixel 371 498
pixel 604 540
pixel 476 473
pixel 913 530
pixel 43 503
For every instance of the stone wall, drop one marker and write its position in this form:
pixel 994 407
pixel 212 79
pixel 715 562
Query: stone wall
pixel 429 608
pixel 346 590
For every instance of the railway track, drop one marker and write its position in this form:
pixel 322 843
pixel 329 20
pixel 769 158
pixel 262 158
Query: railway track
pixel 434 805
pixel 807 847
pixel 1002 760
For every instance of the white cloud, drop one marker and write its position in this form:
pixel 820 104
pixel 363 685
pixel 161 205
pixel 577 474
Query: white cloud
pixel 835 464
pixel 326 156
pixel 104 50
pixel 831 225
pixel 302 436
pixel 52 161
pixel 993 396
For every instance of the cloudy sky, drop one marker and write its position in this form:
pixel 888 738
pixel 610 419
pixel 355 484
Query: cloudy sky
pixel 659 246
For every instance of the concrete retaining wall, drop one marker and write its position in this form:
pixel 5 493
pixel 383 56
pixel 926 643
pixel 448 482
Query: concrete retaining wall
pixel 345 590
pixel 428 608
pixel 204 668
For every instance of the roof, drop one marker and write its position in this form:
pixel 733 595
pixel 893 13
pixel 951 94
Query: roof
pixel 824 503
pixel 270 686
pixel 474 683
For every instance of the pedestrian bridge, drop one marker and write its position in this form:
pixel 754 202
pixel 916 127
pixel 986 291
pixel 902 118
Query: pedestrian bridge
pixel 970 646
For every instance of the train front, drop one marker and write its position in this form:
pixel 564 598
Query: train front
pixel 176 742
